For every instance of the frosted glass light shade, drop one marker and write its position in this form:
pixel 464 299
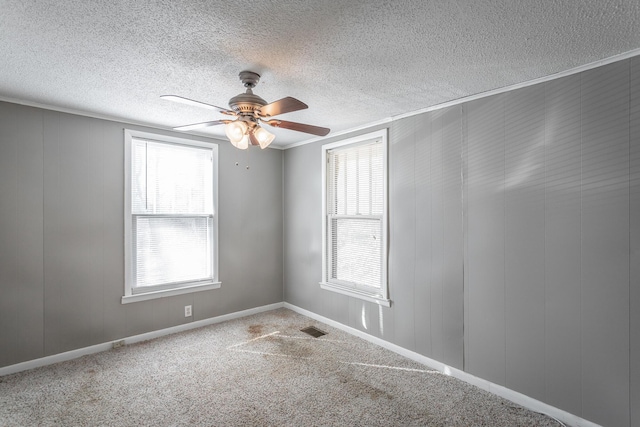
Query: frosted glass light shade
pixel 263 136
pixel 243 144
pixel 237 133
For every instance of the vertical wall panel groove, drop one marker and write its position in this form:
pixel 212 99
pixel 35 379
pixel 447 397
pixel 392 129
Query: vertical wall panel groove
pixel 29 245
pixel 562 243
pixel 9 220
pixel 402 239
pixel 115 323
pixel 437 239
pixel 634 242
pixel 605 244
pixel 485 355
pixel 524 243
pixel 453 240
pixel 423 252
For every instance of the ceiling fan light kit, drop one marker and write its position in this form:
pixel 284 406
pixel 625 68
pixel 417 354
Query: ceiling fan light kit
pixel 249 111
pixel 237 133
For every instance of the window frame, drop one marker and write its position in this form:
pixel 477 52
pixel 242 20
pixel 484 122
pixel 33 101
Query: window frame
pixel 380 297
pixel 160 291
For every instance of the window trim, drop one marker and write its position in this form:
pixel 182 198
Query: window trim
pixel 378 298
pixel 129 294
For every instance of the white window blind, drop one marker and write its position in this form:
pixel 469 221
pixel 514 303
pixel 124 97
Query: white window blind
pixel 171 179
pixel 172 214
pixel 355 207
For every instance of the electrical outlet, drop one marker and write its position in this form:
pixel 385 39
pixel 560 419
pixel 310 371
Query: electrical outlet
pixel 187 311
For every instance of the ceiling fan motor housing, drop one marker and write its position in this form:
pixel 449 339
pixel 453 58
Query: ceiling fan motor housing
pixel 246 102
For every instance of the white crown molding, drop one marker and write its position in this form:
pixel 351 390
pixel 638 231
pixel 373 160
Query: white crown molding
pixel 555 76
pixel 579 69
pixel 550 77
pixel 103 117
pixel 341 133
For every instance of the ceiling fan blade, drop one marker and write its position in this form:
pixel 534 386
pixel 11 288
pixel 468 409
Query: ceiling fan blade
pixel 281 106
pixel 300 127
pixel 182 100
pixel 201 125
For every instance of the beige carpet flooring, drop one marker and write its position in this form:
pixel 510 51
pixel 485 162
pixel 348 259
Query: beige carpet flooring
pixel 260 370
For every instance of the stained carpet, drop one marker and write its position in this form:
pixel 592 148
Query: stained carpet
pixel 260 370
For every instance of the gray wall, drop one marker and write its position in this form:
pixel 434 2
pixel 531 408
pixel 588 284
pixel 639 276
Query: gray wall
pixel 62 236
pixel 514 241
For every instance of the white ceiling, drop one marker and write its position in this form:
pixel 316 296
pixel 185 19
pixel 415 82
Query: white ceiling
pixel 352 62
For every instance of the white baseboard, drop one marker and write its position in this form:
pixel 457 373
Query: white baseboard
pixel 515 397
pixel 74 354
pixel 519 398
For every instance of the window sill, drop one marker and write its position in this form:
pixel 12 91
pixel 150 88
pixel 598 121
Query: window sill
pixel 170 292
pixel 356 294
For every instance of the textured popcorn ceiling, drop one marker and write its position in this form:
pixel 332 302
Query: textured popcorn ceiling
pixel 352 62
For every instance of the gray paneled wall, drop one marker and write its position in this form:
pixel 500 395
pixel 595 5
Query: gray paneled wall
pixel 62 236
pixel 485 329
pixel 514 247
pixel 21 235
pixel 515 241
pixel 563 377
pixel 605 244
pixel 452 310
pixel 524 186
pixel 634 240
pixel 403 175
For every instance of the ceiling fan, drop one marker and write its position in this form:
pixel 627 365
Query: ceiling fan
pixel 249 111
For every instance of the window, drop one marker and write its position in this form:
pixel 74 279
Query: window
pixel 355 217
pixel 170 216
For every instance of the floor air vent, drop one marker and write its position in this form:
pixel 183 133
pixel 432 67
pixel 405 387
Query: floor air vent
pixel 313 331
